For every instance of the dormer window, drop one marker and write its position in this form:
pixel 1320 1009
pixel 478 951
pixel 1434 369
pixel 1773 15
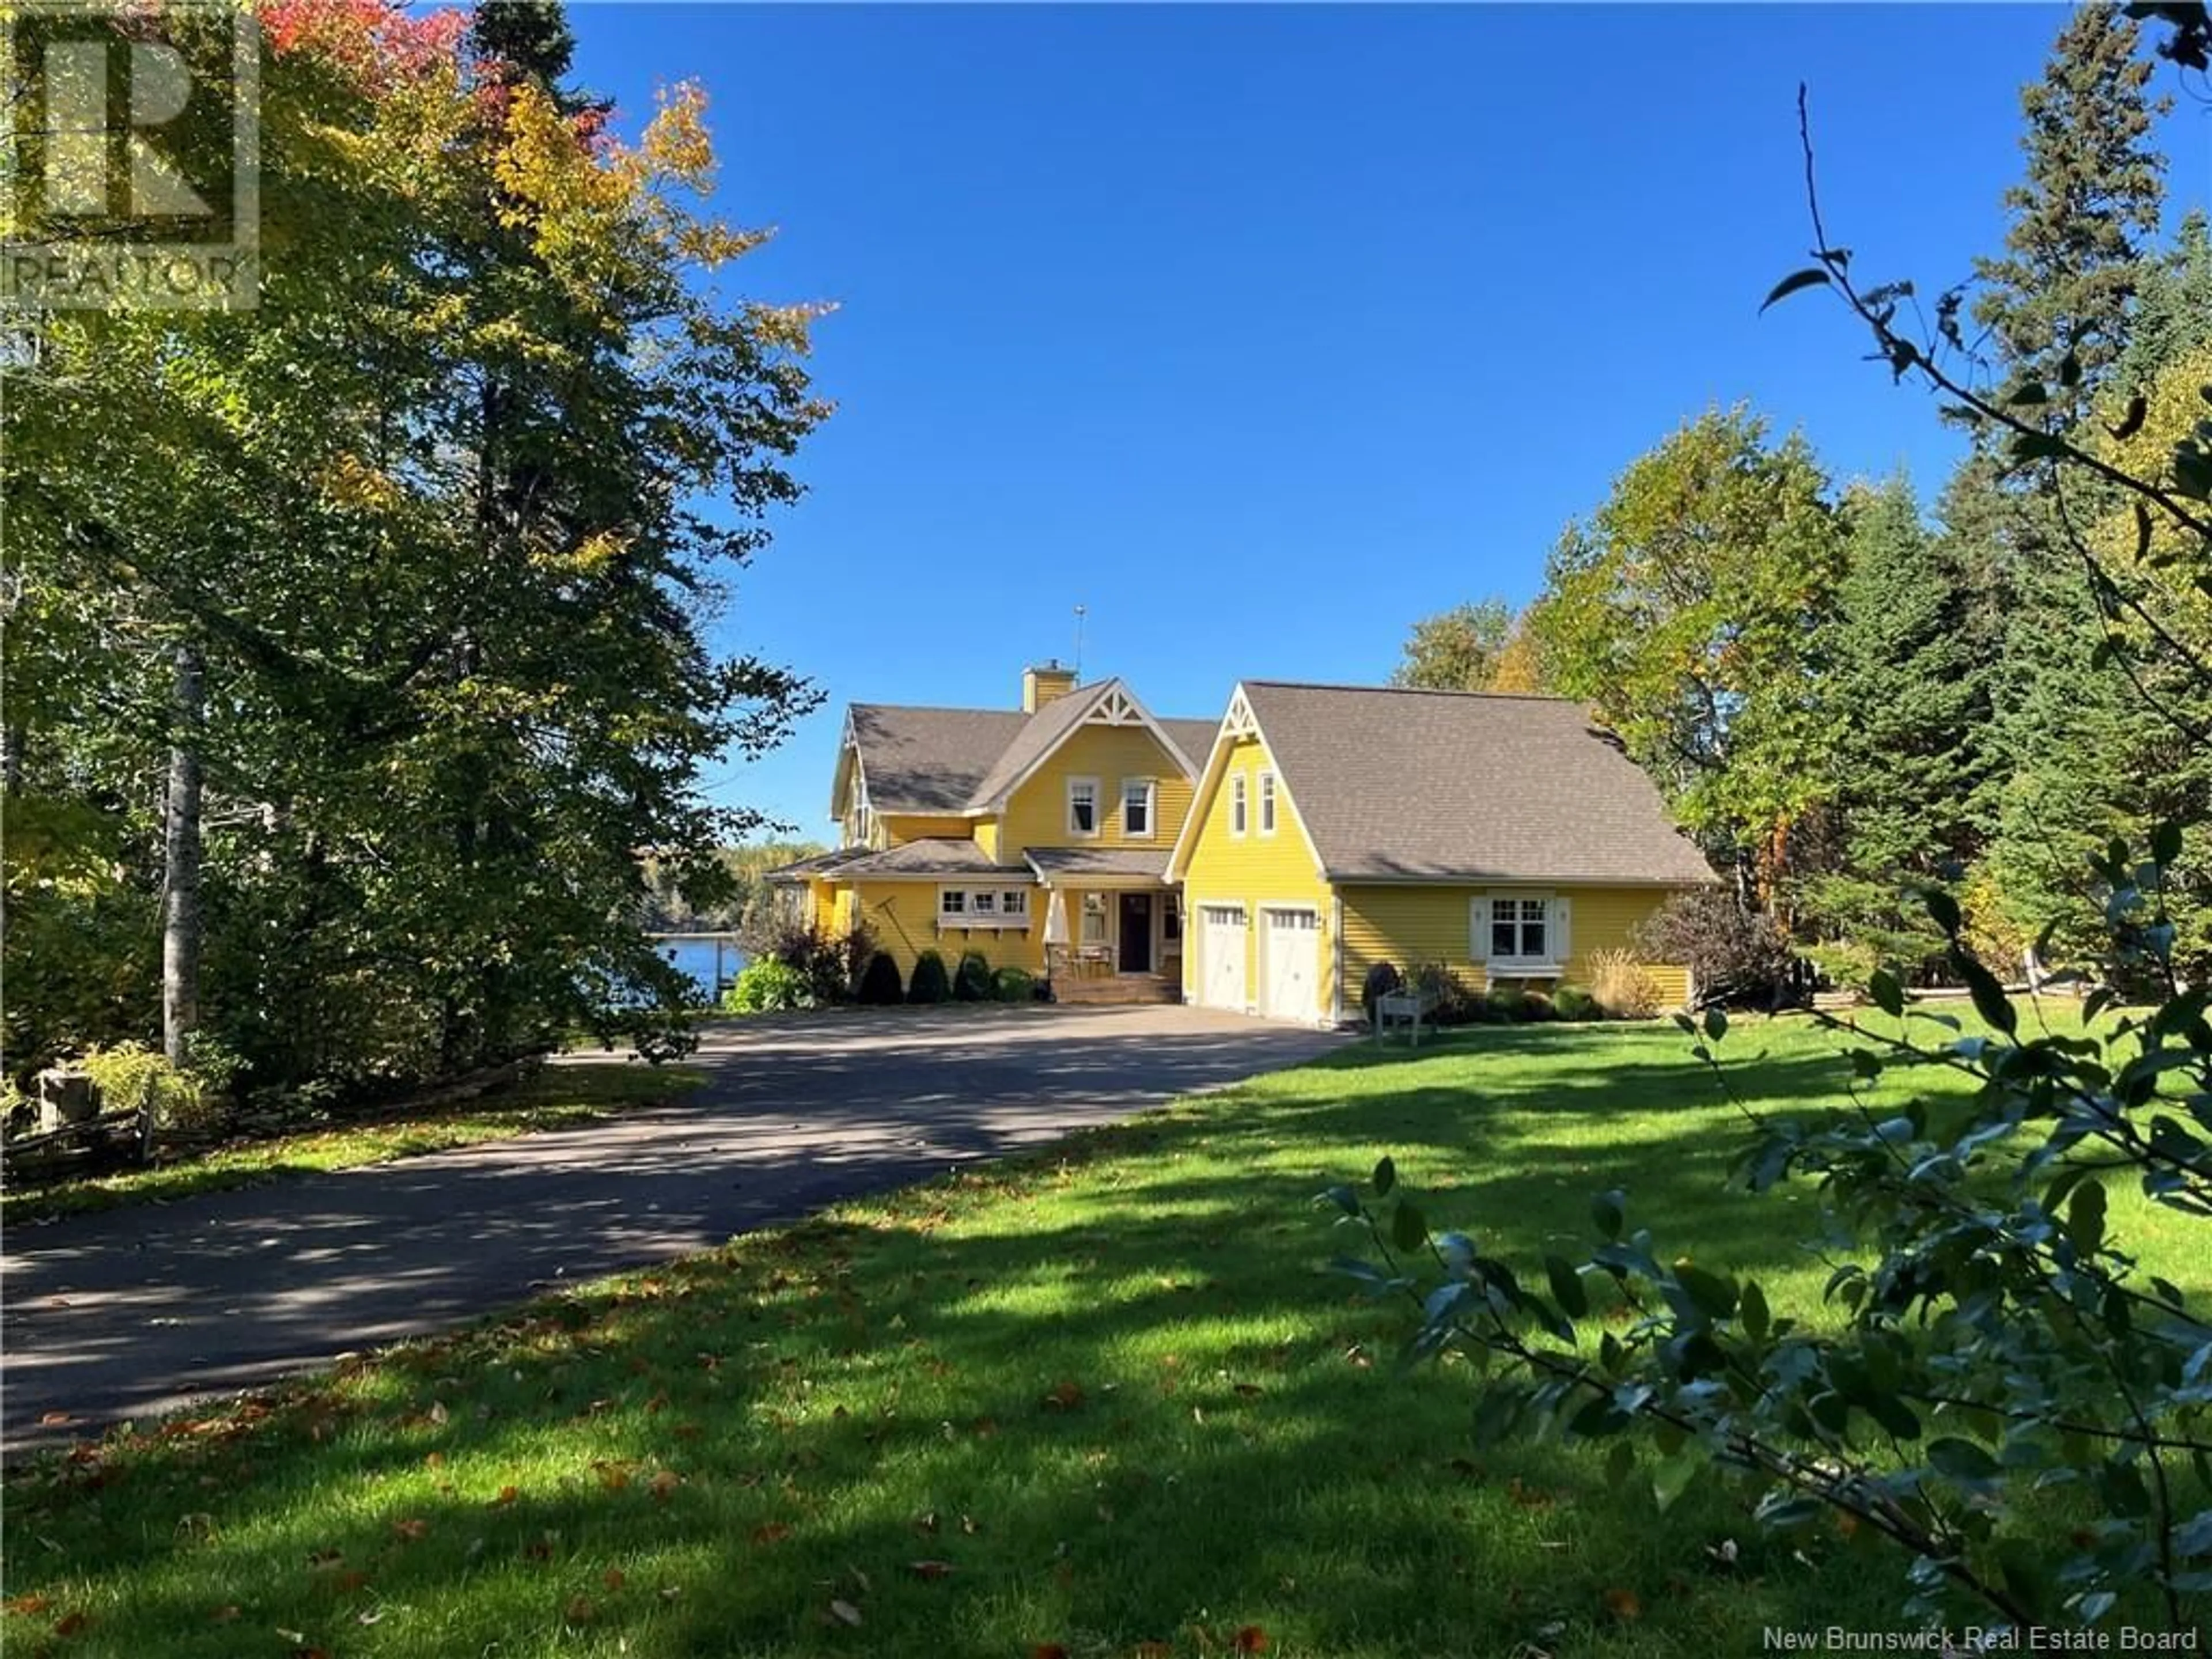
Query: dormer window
pixel 1083 807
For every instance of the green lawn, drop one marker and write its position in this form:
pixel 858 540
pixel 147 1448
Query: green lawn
pixel 556 1098
pixel 1101 1400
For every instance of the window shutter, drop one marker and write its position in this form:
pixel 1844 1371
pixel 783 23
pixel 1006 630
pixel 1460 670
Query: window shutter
pixel 1562 921
pixel 1477 930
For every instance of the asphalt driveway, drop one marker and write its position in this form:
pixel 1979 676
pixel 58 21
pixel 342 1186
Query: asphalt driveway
pixel 134 1311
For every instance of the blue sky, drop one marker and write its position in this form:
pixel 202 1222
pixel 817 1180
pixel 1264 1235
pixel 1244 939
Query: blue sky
pixel 1261 332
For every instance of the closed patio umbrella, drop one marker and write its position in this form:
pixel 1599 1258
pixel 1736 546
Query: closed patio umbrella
pixel 1056 919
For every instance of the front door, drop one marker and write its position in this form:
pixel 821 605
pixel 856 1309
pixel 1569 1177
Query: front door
pixel 1136 932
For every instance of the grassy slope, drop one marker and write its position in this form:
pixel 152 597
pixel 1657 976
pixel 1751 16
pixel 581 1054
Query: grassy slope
pixel 1107 1386
pixel 556 1097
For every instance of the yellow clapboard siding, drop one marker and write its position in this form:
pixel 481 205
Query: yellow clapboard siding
pixel 1412 926
pixel 902 916
pixel 1037 813
pixel 1253 869
pixel 899 828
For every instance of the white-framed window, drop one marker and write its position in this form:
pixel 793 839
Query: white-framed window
pixel 1266 803
pixel 1094 918
pixel 1138 796
pixel 1239 806
pixel 1520 931
pixel 983 907
pixel 1083 807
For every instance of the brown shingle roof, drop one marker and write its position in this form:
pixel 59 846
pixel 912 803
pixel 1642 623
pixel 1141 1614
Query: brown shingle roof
pixel 932 856
pixel 1400 785
pixel 953 759
pixel 818 864
pixel 1038 735
pixel 1124 863
pixel 929 760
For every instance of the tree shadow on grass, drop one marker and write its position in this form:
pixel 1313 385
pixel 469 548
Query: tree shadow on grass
pixel 775 1429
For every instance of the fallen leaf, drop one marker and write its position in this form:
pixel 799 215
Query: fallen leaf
pixel 771 1532
pixel 1048 1650
pixel 613 1476
pixel 347 1582
pixel 435 1459
pixel 1249 1639
pixel 579 1610
pixel 506 1495
pixel 613 1578
pixel 1154 1650
pixel 1622 1604
pixel 224 1615
pixel 70 1623
pixel 1064 1396
pixel 929 1569
pixel 410 1530
pixel 845 1613
pixel 26 1604
pixel 664 1483
pixel 55 1420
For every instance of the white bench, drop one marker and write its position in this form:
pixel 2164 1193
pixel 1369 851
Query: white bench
pixel 1408 1007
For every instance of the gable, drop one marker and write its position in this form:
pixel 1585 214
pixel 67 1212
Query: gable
pixel 1240 752
pixel 1035 812
pixel 1424 786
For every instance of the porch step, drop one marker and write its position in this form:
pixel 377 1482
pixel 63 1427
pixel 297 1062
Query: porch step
pixel 1117 988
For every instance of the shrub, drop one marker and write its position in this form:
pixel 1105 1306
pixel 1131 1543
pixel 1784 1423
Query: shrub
pixel 131 1077
pixel 769 986
pixel 1573 1002
pixel 831 963
pixel 1014 985
pixel 1537 1005
pixel 930 983
pixel 1622 986
pixel 1506 1004
pixel 1455 1005
pixel 1735 956
pixel 880 981
pixel 1382 979
pixel 972 980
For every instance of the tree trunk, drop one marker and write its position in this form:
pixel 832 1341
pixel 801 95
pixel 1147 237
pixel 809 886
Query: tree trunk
pixel 180 909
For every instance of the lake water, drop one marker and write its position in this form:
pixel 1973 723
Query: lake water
pixel 696 956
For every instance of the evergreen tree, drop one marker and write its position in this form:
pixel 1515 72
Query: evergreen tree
pixel 1907 695
pixel 2080 219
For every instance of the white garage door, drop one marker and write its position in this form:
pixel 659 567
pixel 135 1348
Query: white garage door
pixel 1290 957
pixel 1221 955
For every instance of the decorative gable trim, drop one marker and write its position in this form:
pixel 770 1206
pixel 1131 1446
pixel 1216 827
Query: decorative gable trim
pixel 1238 722
pixel 1111 704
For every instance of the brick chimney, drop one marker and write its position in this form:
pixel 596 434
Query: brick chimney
pixel 1040 685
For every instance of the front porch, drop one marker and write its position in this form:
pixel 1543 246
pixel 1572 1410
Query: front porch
pixel 1113 929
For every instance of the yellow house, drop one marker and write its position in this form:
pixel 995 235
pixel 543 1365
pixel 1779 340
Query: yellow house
pixel 1037 836
pixel 1335 828
pixel 1262 863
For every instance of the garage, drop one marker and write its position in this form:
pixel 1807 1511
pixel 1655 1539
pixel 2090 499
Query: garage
pixel 1290 962
pixel 1221 956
